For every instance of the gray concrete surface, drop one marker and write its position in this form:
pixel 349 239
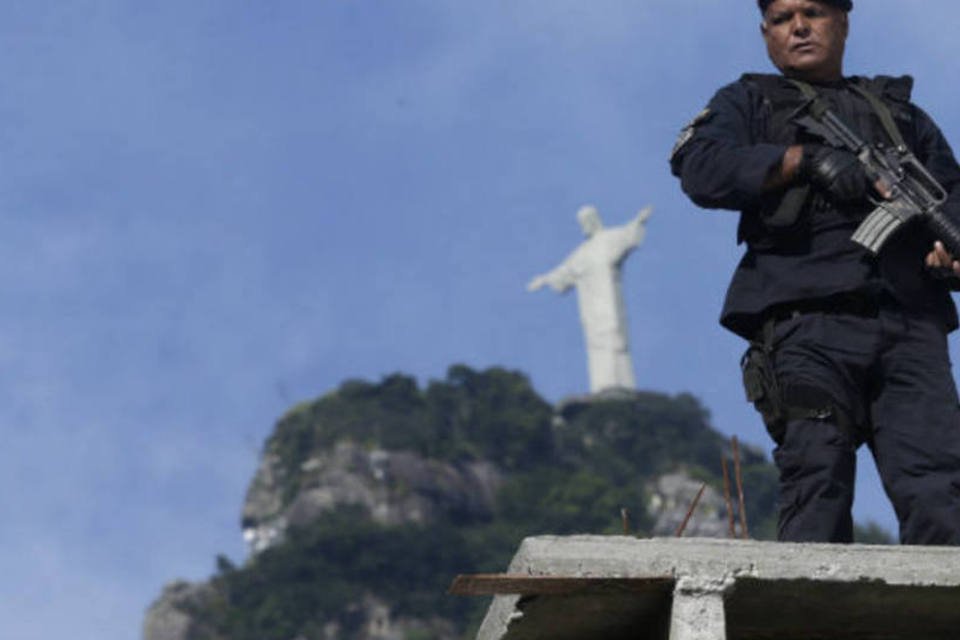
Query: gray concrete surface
pixel 730 590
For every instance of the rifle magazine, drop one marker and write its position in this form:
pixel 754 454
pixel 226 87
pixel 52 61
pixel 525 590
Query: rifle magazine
pixel 874 231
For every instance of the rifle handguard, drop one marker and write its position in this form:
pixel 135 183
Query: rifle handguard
pixel 945 231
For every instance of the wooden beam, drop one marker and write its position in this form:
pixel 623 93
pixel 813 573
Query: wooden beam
pixel 493 584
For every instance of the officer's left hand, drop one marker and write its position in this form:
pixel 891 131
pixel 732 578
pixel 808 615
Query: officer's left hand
pixel 941 263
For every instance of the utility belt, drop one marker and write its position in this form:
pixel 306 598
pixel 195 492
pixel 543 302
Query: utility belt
pixel 778 405
pixel 856 303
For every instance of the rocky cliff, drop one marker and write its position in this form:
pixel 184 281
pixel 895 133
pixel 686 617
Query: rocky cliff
pixel 390 487
pixel 368 500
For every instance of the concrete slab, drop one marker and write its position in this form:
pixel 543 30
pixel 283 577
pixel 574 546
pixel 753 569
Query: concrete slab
pixel 727 590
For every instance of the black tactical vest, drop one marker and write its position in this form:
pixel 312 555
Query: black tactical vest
pixel 808 254
pixel 787 224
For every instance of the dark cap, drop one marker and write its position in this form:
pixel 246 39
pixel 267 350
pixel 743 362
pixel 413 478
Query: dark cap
pixel 846 5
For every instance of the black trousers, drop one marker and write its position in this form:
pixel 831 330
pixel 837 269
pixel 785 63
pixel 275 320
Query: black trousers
pixel 889 374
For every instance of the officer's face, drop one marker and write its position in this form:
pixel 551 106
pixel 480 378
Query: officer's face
pixel 805 38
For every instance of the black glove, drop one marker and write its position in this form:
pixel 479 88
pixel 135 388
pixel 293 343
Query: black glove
pixel 837 172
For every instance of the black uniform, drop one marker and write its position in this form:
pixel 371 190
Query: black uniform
pixel 856 343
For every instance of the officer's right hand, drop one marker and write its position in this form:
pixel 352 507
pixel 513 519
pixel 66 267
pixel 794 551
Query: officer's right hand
pixel 941 264
pixel 837 172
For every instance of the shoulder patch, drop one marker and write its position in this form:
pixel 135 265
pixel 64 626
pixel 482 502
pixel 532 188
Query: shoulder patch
pixel 687 132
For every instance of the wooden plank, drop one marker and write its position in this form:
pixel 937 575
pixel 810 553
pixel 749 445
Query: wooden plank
pixel 493 584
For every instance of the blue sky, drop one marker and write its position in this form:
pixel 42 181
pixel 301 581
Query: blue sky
pixel 213 210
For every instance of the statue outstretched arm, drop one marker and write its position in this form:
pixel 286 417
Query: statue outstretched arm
pixel 560 279
pixel 636 226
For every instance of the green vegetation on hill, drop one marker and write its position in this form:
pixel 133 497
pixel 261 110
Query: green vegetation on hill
pixel 495 415
pixel 315 577
pixel 562 474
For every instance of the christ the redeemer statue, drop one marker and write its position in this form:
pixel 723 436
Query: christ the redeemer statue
pixel 594 269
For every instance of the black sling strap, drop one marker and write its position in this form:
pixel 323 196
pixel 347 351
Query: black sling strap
pixel 879 108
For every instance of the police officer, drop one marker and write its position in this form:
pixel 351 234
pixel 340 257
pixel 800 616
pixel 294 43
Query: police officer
pixel 846 347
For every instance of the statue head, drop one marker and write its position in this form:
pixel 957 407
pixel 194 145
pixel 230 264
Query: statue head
pixel 589 219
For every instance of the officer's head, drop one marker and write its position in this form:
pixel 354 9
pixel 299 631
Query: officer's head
pixel 589 219
pixel 805 38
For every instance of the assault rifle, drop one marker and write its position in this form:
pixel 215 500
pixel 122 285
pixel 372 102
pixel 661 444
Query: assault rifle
pixel 913 192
